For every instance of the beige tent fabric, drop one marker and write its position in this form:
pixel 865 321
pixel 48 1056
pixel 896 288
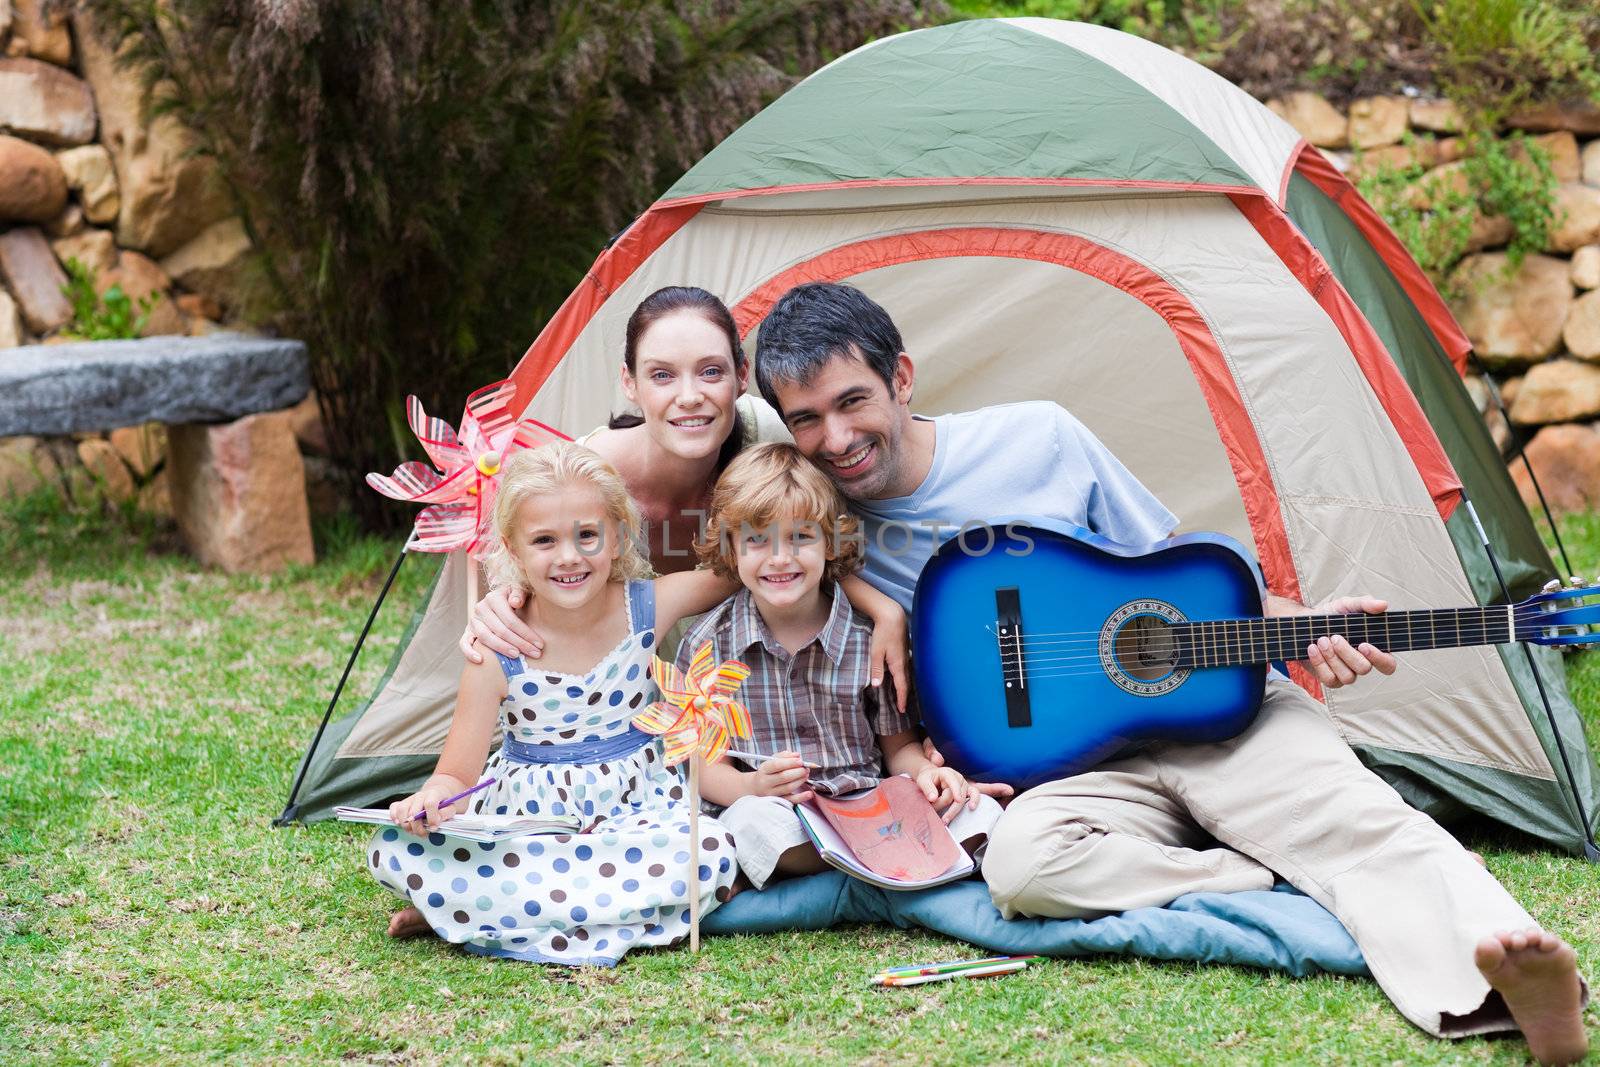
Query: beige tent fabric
pixel 1032 329
pixel 1237 123
pixel 412 714
pixel 1357 515
pixel 1431 705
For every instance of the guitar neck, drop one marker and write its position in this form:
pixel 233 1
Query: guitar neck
pixel 1238 642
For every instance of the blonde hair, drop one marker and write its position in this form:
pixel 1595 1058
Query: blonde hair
pixel 549 469
pixel 772 483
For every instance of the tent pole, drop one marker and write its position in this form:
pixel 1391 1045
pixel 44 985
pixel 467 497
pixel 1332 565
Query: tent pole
pixel 1591 852
pixel 1527 464
pixel 290 813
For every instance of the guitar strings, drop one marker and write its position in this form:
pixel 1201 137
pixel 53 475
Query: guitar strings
pixel 1492 614
pixel 1492 618
pixel 1171 647
pixel 1466 637
pixel 1094 665
pixel 1218 640
pixel 1476 634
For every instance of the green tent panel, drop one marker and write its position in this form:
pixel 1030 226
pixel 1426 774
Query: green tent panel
pixel 860 119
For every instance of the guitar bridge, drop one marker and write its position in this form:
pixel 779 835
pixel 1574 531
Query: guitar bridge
pixel 1013 668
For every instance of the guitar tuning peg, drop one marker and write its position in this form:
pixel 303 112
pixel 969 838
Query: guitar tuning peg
pixel 1552 585
pixel 1575 582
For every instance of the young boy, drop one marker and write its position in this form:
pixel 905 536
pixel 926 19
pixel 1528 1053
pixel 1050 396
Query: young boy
pixel 780 528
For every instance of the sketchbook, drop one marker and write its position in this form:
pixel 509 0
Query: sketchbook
pixel 888 836
pixel 471 827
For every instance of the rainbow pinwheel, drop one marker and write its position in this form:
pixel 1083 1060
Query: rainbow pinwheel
pixel 697 712
pixel 461 492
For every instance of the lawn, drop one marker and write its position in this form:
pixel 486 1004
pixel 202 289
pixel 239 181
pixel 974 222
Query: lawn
pixel 152 713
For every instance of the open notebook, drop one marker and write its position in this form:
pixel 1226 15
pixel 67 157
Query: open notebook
pixel 470 827
pixel 889 836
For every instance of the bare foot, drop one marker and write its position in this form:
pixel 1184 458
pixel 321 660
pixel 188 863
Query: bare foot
pixel 1478 859
pixel 408 922
pixel 1537 975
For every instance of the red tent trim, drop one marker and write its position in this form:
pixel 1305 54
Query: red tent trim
pixel 1325 176
pixel 666 217
pixel 1399 402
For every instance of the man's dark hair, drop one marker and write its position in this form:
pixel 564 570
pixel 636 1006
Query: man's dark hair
pixel 817 322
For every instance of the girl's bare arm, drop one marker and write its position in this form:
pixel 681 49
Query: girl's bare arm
pixel 689 593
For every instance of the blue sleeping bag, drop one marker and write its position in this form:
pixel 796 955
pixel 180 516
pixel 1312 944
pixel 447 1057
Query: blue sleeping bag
pixel 1280 930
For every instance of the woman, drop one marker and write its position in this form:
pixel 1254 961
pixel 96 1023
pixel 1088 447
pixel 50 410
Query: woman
pixel 684 368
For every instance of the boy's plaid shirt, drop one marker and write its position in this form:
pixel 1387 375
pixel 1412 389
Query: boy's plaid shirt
pixel 814 702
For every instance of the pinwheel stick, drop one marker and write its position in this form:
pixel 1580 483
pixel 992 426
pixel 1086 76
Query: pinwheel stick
pixel 694 854
pixel 696 716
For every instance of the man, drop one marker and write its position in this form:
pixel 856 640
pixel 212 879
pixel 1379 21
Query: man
pixel 1453 951
pixel 1288 795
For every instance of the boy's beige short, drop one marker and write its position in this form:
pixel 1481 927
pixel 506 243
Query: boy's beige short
pixel 764 828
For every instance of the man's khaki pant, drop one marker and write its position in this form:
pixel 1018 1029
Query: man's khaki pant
pixel 1287 795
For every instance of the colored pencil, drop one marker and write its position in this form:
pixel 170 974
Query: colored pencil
pixel 756 758
pixel 969 972
pixel 917 969
pixel 485 784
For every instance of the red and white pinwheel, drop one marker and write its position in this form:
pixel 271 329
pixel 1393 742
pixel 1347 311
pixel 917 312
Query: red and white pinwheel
pixel 461 492
pixel 697 712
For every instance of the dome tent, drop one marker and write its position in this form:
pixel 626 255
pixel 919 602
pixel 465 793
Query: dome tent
pixel 1061 211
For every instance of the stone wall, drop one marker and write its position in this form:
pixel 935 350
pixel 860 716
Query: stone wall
pixel 84 176
pixel 1537 329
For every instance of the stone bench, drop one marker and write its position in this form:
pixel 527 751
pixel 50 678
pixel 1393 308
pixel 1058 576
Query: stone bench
pixel 233 468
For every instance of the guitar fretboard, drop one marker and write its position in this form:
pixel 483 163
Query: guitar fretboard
pixel 1236 642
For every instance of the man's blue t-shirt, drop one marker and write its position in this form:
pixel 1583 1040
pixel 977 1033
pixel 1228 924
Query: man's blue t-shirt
pixel 1015 459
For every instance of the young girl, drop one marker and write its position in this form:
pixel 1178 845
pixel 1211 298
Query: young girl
pixel 569 540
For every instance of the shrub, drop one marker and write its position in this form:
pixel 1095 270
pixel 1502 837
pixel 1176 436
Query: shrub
pixel 425 182
pixel 1201 29
pixel 1494 55
pixel 1509 178
pixel 110 317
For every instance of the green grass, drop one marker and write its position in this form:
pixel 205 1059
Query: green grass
pixel 151 714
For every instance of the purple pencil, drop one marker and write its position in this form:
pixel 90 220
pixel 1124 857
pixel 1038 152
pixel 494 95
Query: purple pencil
pixel 485 784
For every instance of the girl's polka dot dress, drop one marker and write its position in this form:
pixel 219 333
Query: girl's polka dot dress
pixel 570 898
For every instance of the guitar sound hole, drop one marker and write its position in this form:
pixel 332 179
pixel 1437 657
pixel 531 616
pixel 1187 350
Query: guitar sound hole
pixel 1146 648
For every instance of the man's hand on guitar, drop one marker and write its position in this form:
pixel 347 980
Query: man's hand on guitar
pixel 1333 660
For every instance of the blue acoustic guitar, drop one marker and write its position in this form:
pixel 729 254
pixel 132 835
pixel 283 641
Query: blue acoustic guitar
pixel 1033 661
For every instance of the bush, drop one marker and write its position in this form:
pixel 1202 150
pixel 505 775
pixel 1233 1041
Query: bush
pixel 1508 178
pixel 1201 29
pixel 425 182
pixel 1494 55
pixel 110 317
